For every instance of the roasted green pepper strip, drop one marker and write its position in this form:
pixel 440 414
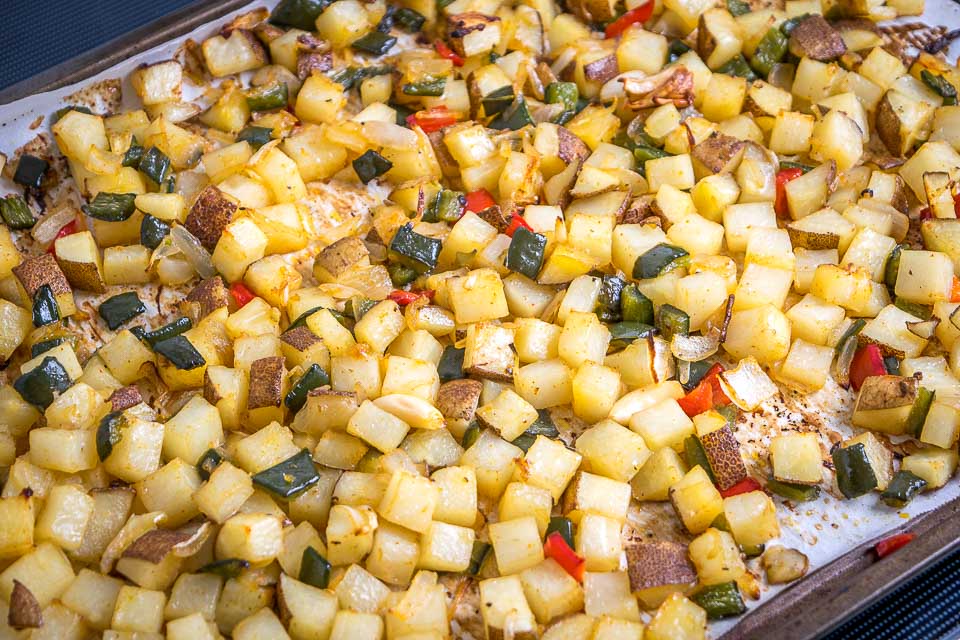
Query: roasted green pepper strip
pixel 153 231
pixel 314 569
pixel 45 345
pixel 301 14
pixel 918 413
pixel 227 568
pixel 565 93
pixel 447 206
pixel 477 556
pixel 45 308
pixel 608 302
pixel 313 378
pixel 290 477
pixel 940 86
pixel 855 476
pixel 634 306
pixel 111 207
pixel 738 67
pixel 413 250
pixel 623 333
pixel 180 352
pixel 497 101
pixel 450 366
pixel 371 165
pixel 903 487
pixel 855 327
pixel 409 20
pixel 133 154
pixel 15 212
pixel 167 331
pixel 30 171
pixel 470 435
pixel 792 491
pixel 432 88
pixel 109 434
pixel 38 385
pixel 62 111
pixel 256 137
pixel 787 164
pixel 695 455
pixel 525 253
pixel 697 372
pixel 921 311
pixel 720 600
pixel 357 306
pixel 771 50
pixel 892 365
pixel 375 42
pixel 644 152
pixel 672 321
pixel 542 426
pixel 514 117
pixel 737 7
pixel 208 462
pixel 155 165
pixel 401 275
pixel 563 526
pixel 121 308
pixel 658 260
pixel 267 97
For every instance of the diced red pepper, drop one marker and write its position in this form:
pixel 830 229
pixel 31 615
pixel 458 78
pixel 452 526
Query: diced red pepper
pixel 517 221
pixel 955 290
pixel 66 230
pixel 888 545
pixel 927 214
pixel 557 548
pixel 867 362
pixel 448 53
pixel 638 15
pixel 404 298
pixel 700 399
pixel 744 486
pixel 479 200
pixel 432 119
pixel 720 398
pixel 956 204
pixel 241 293
pixel 783 177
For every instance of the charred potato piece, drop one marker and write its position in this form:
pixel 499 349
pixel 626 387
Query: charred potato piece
pixel 209 295
pixel 79 259
pixel 24 610
pixel 124 398
pixel 602 69
pixel 472 33
pixel 657 569
pixel 723 452
pixel 719 153
pixel 814 38
pixel 594 10
pixel 37 271
pixel 266 383
pixel 340 257
pixel 457 400
pixel 209 216
pixel 901 121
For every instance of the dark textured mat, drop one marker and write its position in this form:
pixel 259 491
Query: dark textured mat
pixel 39 34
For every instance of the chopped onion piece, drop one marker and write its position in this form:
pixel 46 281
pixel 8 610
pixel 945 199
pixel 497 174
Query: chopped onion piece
pixel 748 386
pixel 193 251
pixel 695 348
pixel 955 318
pixel 564 60
pixel 48 226
pixel 613 88
pixel 389 134
pixel 924 329
pixel 841 368
pixel 683 371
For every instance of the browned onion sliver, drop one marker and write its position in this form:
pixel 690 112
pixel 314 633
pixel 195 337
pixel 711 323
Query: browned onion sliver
pixel 193 251
pixel 841 368
pixel 924 329
pixel 695 348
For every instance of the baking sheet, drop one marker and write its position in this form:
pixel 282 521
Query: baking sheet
pixel 824 529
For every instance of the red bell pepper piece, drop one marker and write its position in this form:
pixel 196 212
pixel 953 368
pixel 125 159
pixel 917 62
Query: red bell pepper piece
pixel 432 119
pixel 744 486
pixel 404 298
pixel 241 293
pixel 517 221
pixel 867 361
pixel 66 230
pixel 956 204
pixel 557 548
pixel 720 398
pixel 783 177
pixel 638 15
pixel 888 545
pixel 479 200
pixel 700 399
pixel 955 290
pixel 448 53
pixel 927 214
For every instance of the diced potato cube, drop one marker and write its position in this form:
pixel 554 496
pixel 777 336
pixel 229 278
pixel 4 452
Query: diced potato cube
pixel 752 518
pixel 409 501
pixel 696 500
pixel 796 457
pixel 717 557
